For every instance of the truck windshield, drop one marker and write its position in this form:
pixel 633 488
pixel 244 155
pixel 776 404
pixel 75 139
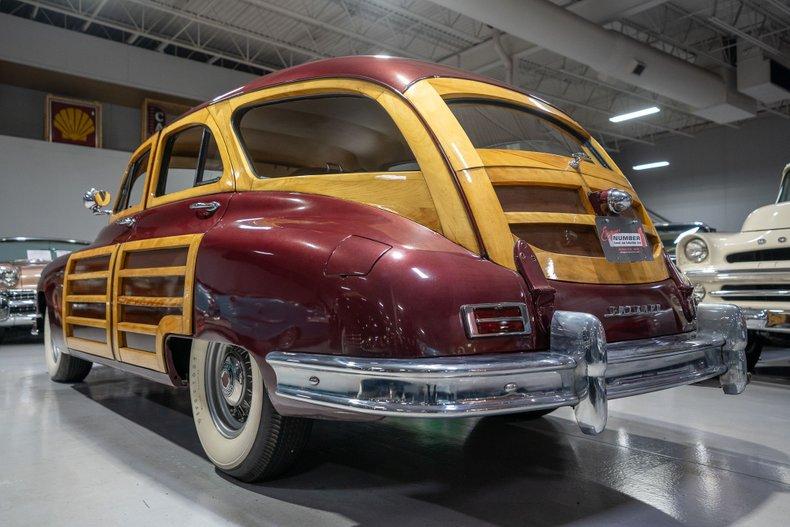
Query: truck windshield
pixel 35 250
pixel 494 124
pixel 784 190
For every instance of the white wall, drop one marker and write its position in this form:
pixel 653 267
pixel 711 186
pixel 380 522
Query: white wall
pixel 41 187
pixel 718 177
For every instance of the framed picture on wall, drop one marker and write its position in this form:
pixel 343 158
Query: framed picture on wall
pixel 73 121
pixel 158 114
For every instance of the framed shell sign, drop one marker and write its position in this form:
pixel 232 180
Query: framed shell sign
pixel 73 121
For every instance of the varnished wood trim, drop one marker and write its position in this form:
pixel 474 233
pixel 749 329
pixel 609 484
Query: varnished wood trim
pixel 169 324
pixel 404 193
pixel 549 217
pixel 88 276
pixel 592 270
pixel 85 321
pixel 151 301
pixel 226 183
pixel 91 347
pixel 150 143
pixel 153 271
pixel 453 219
pixel 103 349
pixel 143 359
pixel 87 299
pixel 132 327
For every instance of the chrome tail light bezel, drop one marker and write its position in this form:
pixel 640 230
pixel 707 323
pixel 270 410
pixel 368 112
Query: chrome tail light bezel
pixel 470 320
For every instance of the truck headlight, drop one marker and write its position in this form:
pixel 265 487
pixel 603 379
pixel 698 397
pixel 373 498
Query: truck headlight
pixel 696 250
pixel 9 275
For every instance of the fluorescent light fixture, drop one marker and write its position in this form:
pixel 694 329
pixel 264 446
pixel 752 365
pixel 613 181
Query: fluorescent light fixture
pixel 648 166
pixel 634 115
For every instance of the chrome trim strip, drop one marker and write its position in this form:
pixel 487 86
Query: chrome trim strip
pixel 151 375
pixel 738 275
pixel 579 370
pixel 740 293
pixel 26 239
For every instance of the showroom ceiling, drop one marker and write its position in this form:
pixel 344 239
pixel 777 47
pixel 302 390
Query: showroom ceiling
pixel 259 36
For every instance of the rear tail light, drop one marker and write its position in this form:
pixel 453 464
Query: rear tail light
pixel 495 320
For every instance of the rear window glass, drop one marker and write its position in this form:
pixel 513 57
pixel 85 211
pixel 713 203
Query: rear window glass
pixel 492 124
pixel 322 135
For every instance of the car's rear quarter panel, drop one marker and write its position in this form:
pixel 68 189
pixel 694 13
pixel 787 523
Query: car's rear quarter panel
pixel 261 283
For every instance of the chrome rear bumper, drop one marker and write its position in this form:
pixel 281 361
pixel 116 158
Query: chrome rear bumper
pixel 579 370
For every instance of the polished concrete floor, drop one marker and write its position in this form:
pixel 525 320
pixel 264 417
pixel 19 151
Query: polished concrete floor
pixel 119 450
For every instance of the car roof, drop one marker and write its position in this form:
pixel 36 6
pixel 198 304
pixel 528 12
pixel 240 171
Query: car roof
pixel 394 72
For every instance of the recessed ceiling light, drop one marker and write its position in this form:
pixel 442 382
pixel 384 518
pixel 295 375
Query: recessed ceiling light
pixel 648 166
pixel 634 115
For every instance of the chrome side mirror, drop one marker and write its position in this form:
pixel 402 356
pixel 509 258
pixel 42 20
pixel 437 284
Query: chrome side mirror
pixel 95 199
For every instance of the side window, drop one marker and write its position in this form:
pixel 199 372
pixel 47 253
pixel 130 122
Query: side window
pixel 132 189
pixel 322 135
pixel 191 158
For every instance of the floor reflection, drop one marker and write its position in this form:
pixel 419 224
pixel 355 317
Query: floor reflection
pixel 498 470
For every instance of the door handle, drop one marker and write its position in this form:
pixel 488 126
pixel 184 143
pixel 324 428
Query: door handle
pixel 205 206
pixel 127 222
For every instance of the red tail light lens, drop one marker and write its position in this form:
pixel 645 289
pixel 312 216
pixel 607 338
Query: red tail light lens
pixel 495 320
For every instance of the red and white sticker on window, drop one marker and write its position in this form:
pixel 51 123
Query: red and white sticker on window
pixel 623 240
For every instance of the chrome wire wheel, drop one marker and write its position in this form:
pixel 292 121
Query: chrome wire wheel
pixel 228 385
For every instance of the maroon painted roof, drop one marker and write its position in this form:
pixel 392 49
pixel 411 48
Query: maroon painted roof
pixel 394 72
pixel 397 73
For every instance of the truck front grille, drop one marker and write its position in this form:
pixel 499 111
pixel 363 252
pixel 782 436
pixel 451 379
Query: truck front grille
pixel 762 255
pixel 756 292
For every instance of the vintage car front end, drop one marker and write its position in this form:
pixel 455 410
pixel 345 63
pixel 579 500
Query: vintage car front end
pixel 21 262
pixel 18 281
pixel 748 268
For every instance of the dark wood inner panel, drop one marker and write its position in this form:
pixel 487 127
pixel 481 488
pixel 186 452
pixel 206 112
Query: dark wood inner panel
pixel 528 198
pixel 172 257
pixel 153 286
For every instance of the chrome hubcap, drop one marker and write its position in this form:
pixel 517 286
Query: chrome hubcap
pixel 232 380
pixel 228 388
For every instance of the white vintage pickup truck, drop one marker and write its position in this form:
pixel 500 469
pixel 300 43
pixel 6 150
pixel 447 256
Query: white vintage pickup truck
pixel 750 268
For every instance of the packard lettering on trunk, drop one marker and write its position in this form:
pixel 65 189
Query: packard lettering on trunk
pixel 632 311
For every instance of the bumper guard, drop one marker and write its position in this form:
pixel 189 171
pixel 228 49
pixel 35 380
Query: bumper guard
pixel 580 370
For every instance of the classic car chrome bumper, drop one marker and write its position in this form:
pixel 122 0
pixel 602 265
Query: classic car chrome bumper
pixel 580 370
pixel 774 320
pixel 17 307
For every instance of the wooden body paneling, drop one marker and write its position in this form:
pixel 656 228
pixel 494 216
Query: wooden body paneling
pixel 154 309
pixel 92 266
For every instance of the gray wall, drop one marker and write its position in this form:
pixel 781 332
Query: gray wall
pixel 42 184
pixel 22 113
pixel 718 177
pixel 51 48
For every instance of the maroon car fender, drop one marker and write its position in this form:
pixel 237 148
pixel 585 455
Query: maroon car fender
pixel 262 282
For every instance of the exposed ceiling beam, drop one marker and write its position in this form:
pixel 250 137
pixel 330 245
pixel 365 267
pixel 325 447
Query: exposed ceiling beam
pixel 377 44
pixel 136 32
pixel 744 35
pixel 94 14
pixel 238 31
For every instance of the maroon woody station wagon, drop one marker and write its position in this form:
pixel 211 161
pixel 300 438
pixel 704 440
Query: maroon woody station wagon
pixel 365 237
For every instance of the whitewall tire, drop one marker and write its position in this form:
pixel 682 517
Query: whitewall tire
pixel 62 366
pixel 241 432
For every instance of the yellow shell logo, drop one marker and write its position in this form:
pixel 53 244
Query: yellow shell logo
pixel 74 124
